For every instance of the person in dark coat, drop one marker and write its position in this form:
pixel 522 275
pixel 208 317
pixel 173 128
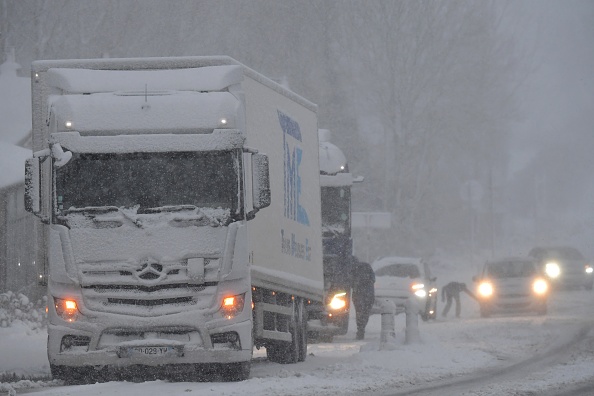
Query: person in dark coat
pixel 363 280
pixel 452 291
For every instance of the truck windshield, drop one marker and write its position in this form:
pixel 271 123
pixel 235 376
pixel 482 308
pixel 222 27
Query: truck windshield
pixel 336 209
pixel 149 180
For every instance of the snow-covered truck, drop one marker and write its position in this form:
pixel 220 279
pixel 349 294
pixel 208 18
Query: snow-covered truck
pixel 332 318
pixel 180 199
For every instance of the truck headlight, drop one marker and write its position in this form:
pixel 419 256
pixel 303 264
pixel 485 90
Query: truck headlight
pixel 552 269
pixel 540 286
pixel 485 289
pixel 232 305
pixel 67 309
pixel 588 269
pixel 339 301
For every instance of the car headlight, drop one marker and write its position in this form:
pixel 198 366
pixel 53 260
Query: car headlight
pixel 418 289
pixel 338 302
pixel 552 269
pixel 589 269
pixel 485 289
pixel 540 286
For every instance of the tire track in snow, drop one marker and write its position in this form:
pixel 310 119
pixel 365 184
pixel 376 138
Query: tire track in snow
pixel 478 383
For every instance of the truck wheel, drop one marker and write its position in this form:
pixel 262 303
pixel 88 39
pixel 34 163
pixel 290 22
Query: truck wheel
pixel 343 324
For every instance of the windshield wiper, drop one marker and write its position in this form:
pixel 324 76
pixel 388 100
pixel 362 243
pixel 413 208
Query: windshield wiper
pixel 167 208
pixel 91 209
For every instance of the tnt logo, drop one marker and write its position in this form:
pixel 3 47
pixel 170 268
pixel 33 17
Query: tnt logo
pixel 292 155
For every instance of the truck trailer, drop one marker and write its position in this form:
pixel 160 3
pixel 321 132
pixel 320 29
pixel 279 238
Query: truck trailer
pixel 180 203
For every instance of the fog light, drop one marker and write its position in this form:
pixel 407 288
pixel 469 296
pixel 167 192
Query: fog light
pixel 75 343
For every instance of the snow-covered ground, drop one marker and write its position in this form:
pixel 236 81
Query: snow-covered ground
pixel 448 348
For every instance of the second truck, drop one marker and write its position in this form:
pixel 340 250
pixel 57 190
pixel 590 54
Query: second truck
pixel 336 181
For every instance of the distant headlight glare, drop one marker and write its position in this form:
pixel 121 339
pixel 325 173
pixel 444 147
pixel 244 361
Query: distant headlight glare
pixel 540 286
pixel 418 289
pixel 552 270
pixel 589 269
pixel 485 289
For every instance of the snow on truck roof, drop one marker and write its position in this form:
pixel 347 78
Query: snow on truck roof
pixel 201 79
pixel 167 63
pixel 332 159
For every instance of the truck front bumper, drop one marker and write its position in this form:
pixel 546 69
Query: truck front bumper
pixel 122 346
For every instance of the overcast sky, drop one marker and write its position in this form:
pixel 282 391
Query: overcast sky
pixel 559 95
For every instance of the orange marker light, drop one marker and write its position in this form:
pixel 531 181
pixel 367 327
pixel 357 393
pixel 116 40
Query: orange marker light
pixel 229 301
pixel 232 305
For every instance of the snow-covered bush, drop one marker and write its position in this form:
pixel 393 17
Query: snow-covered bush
pixel 17 306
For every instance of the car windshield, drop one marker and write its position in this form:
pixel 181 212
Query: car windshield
pixel 567 253
pixel 511 269
pixel 400 271
pixel 149 180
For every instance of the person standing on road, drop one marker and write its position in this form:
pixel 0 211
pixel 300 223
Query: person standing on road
pixel 363 281
pixel 452 291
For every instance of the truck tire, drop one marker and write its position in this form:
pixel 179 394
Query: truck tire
pixel 343 324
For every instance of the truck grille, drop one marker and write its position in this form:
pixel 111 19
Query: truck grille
pixel 148 289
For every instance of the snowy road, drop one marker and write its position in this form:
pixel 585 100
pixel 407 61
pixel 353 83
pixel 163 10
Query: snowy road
pixel 516 379
pixel 504 355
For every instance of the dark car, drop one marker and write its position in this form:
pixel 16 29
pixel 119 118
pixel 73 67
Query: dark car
pixel 513 284
pixel 565 266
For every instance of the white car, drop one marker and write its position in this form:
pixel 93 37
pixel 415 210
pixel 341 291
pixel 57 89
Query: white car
pixel 513 284
pixel 399 278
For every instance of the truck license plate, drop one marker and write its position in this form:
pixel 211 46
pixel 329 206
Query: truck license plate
pixel 152 350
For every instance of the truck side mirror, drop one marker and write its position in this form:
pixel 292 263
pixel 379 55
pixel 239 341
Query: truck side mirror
pixel 261 181
pixel 32 184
